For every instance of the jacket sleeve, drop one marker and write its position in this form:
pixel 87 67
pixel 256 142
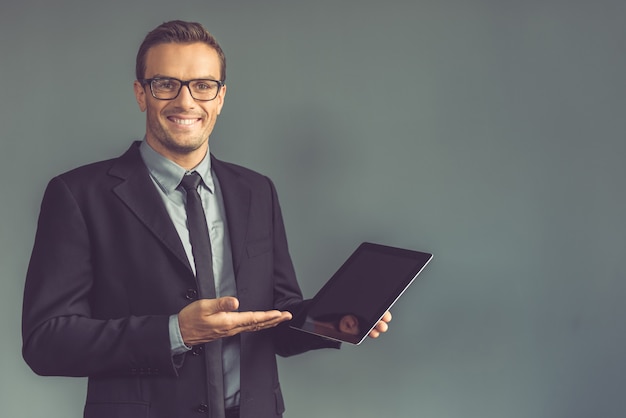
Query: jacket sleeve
pixel 60 334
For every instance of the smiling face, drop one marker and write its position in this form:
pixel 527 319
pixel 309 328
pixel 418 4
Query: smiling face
pixel 179 129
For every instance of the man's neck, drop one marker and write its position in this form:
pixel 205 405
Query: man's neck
pixel 186 159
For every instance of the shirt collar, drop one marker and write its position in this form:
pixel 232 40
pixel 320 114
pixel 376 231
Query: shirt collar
pixel 167 174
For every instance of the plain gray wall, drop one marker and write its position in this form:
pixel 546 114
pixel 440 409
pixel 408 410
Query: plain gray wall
pixel 491 133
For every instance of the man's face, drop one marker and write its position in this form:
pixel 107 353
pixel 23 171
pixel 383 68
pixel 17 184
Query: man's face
pixel 180 128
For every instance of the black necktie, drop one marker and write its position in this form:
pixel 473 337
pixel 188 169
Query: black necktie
pixel 201 249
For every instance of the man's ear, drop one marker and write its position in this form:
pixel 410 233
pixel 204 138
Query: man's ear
pixel 220 99
pixel 140 95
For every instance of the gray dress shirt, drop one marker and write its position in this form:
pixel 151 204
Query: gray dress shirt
pixel 166 176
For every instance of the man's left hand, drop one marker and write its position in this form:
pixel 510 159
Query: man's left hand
pixel 382 326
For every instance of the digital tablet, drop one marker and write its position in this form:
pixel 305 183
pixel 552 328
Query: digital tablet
pixel 357 296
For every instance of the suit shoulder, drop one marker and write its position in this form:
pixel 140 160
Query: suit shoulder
pixel 89 169
pixel 86 175
pixel 104 170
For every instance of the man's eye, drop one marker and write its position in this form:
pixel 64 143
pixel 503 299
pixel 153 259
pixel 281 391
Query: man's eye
pixel 165 85
pixel 204 86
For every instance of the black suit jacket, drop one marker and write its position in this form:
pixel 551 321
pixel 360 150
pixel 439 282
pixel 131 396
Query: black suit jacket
pixel 108 268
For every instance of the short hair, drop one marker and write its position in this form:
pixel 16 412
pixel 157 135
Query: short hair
pixel 181 32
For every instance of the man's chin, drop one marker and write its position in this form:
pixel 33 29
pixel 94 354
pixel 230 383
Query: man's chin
pixel 183 146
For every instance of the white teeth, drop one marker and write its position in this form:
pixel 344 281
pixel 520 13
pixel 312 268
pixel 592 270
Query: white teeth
pixel 184 121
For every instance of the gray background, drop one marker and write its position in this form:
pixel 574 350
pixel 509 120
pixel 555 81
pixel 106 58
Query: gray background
pixel 488 132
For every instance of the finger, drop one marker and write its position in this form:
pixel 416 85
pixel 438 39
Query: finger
pixel 223 304
pixel 227 304
pixel 387 317
pixel 374 334
pixel 259 326
pixel 382 327
pixel 256 321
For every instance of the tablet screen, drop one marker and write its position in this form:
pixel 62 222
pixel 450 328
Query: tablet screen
pixel 358 294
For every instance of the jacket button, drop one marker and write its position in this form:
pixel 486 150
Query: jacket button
pixel 202 408
pixel 192 294
pixel 197 350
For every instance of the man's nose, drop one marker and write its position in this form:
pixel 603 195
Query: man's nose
pixel 185 98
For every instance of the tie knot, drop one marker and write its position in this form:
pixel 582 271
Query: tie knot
pixel 191 181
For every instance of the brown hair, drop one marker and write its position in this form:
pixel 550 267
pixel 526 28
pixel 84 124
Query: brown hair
pixel 177 31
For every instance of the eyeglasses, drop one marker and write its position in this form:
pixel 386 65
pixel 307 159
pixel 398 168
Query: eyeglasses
pixel 169 88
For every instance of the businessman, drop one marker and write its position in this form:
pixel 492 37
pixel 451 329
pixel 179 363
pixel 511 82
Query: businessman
pixel 164 274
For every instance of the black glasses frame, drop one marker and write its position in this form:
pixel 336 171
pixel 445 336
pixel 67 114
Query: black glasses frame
pixel 149 81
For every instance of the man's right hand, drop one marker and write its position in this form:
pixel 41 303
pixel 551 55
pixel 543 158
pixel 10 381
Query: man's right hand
pixel 209 319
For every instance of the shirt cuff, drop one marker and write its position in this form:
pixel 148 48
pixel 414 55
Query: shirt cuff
pixel 177 344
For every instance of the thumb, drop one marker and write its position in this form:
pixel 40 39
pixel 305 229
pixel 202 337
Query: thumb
pixel 224 304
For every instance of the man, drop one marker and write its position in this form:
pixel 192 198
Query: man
pixel 114 289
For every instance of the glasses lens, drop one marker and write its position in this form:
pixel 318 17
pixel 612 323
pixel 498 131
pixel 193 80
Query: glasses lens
pixel 204 89
pixel 165 88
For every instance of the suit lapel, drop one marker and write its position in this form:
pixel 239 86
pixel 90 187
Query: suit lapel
pixel 138 192
pixel 236 197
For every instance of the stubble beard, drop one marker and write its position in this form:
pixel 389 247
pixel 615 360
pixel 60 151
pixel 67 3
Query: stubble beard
pixel 168 142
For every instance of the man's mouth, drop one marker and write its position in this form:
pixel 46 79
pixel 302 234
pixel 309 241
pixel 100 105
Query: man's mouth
pixel 180 121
